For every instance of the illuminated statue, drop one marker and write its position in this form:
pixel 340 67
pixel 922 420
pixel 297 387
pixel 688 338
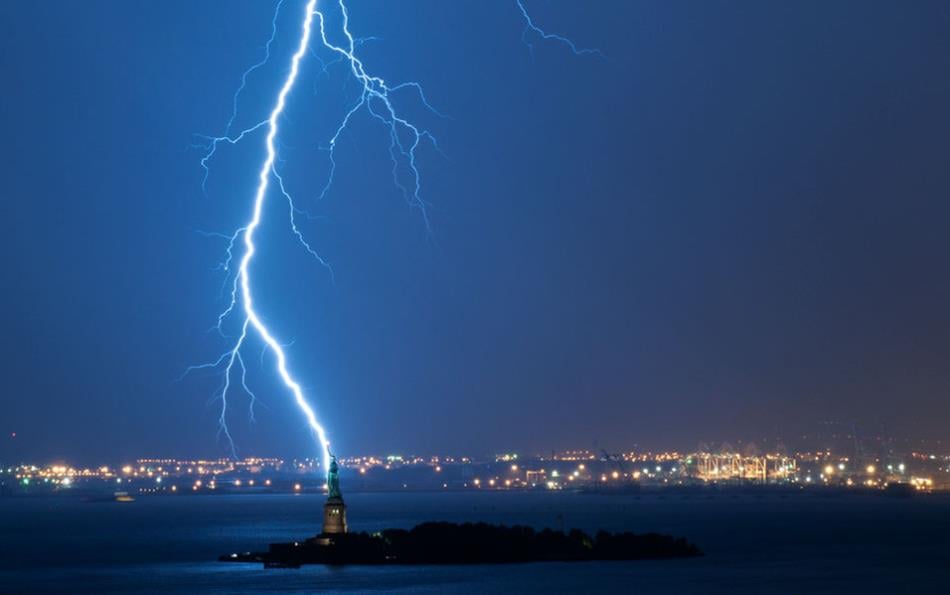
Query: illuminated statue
pixel 334 511
pixel 333 480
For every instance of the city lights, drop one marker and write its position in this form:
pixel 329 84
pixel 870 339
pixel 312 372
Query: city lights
pixel 924 473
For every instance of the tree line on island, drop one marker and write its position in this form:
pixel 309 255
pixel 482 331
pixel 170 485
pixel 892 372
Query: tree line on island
pixel 472 543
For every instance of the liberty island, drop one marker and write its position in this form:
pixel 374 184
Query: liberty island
pixel 452 543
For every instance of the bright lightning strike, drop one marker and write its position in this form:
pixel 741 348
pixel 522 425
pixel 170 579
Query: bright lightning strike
pixel 241 290
pixel 405 140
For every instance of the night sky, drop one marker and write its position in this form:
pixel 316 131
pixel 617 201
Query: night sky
pixel 734 225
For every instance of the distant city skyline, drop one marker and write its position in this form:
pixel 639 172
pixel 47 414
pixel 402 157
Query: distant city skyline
pixel 575 469
pixel 13 452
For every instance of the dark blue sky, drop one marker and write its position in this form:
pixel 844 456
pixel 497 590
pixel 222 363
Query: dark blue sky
pixel 733 226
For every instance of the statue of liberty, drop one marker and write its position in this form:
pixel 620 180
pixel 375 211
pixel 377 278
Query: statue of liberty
pixel 333 480
pixel 334 511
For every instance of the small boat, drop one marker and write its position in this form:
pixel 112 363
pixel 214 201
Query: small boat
pixel 115 497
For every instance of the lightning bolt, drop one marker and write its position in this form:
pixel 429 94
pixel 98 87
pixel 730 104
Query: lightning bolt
pixel 241 293
pixel 405 137
pixel 530 27
pixel 375 96
pixel 405 140
pixel 243 274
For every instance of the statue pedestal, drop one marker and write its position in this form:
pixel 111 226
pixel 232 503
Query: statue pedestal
pixel 334 516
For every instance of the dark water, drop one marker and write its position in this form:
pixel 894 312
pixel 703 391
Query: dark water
pixel 769 544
